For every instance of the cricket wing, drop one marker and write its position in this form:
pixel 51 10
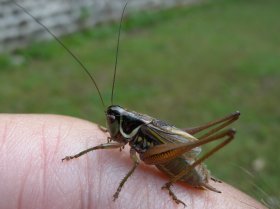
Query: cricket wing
pixel 171 144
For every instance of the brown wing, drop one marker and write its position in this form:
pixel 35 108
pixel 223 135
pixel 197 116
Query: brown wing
pixel 171 144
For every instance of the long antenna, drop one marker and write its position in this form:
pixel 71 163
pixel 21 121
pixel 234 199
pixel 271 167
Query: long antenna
pixel 64 46
pixel 117 53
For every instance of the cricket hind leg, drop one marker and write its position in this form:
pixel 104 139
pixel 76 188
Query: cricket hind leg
pixel 230 136
pixel 110 145
pixel 225 121
pixel 172 194
pixel 136 162
pixel 222 122
pixel 209 187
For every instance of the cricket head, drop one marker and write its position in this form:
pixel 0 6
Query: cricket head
pixel 122 124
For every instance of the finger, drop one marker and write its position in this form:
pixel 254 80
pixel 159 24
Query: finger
pixel 33 176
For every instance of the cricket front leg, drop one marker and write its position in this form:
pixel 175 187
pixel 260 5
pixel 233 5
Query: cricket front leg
pixel 136 161
pixel 110 145
pixel 105 130
pixel 102 128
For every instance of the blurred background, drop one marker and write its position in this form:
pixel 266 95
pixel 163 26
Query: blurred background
pixel 183 63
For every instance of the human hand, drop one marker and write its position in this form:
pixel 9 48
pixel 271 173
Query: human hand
pixel 32 174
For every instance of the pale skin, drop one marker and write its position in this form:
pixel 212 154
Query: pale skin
pixel 32 174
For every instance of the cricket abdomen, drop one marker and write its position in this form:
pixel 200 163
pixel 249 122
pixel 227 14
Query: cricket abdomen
pixel 197 177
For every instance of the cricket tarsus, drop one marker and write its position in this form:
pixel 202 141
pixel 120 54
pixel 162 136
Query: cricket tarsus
pixel 117 53
pixel 66 48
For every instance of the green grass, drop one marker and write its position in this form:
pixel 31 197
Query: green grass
pixel 184 65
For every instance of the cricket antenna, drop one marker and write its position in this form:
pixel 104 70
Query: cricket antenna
pixel 117 53
pixel 64 46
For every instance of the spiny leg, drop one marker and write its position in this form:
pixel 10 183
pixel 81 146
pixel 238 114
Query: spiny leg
pixel 214 130
pixel 225 120
pixel 136 161
pixel 230 136
pixel 163 153
pixel 172 194
pixel 111 145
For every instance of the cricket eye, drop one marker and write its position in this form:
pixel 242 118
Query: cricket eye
pixel 111 118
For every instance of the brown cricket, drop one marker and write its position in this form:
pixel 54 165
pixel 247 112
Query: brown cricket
pixel 173 151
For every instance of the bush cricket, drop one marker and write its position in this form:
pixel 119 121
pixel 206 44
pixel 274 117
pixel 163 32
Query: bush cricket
pixel 173 151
